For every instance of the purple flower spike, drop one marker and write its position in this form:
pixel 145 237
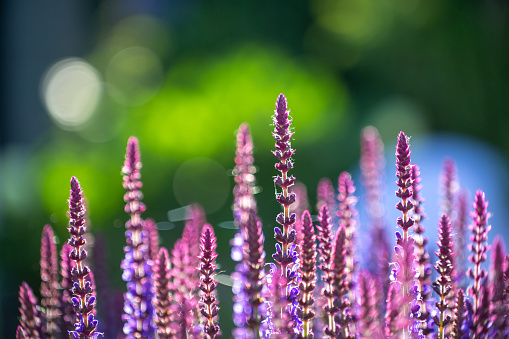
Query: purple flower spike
pixel 207 269
pixel 66 264
pixel 138 300
pixel 444 267
pixel 254 261
pixel 404 183
pixel 185 317
pixel 286 255
pixel 282 321
pixel 341 287
pixel 422 256
pixel 162 288
pixel 308 274
pixel 450 188
pixel 82 290
pixel 325 194
pixel 325 250
pixel 478 247
pixel 402 304
pixel 498 306
pixel 30 320
pixel 152 234
pixel 368 324
pixel 460 229
pixel 459 316
pixel 347 214
pixel 49 283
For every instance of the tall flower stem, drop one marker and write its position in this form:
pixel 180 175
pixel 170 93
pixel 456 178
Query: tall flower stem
pixel 478 247
pixel 208 308
pixel 162 288
pixel 404 183
pixel 444 267
pixel 286 255
pixel 138 300
pixel 308 274
pixel 82 290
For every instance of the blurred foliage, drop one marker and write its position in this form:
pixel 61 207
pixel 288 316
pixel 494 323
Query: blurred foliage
pixel 182 78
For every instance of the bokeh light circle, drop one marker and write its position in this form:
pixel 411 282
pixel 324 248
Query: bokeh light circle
pixel 71 90
pixel 203 181
pixel 134 76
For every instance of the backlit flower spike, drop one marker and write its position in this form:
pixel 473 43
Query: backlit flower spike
pixel 308 275
pixel 498 304
pixel 66 307
pixel 478 247
pixel 208 303
pixel 450 188
pixel 30 318
pixel 392 312
pixel 368 325
pixel 283 325
pixel 372 165
pixel 255 277
pixel 152 234
pixel 481 318
pixel 459 316
pixel 286 254
pixel 186 303
pixel 50 300
pixel 347 214
pixel 163 289
pixel 459 227
pixel 325 251
pixel 325 194
pixel 444 267
pixel 341 286
pixel 139 313
pixel 404 183
pixel 83 298
pixel 424 267
pixel 244 170
pixel 404 308
pixel 243 204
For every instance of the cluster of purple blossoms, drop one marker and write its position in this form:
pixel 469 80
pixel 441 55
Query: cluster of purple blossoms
pixel 315 288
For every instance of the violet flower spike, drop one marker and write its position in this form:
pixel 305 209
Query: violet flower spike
pixel 207 268
pixel 498 306
pixel 325 249
pixel 325 194
pixel 50 299
pixel 372 164
pixel 138 300
pixel 422 256
pixel 152 234
pixel 444 267
pixel 341 287
pixel 307 271
pixel 286 255
pixel 460 229
pixel 282 322
pixel 30 319
pixel 404 183
pixel 368 325
pixel 254 261
pixel 162 288
pixel 459 316
pixel 82 290
pixel 186 303
pixel 243 204
pixel 347 214
pixel 67 309
pixel 480 230
pixel 450 188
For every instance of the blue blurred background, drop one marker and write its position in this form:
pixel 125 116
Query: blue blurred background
pixel 78 78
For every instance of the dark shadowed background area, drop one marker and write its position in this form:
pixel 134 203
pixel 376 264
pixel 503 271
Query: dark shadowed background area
pixel 79 77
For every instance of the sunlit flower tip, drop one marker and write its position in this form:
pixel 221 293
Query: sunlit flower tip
pixel 132 156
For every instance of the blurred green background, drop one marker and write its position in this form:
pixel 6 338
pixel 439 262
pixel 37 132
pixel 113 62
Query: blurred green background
pixel 79 78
